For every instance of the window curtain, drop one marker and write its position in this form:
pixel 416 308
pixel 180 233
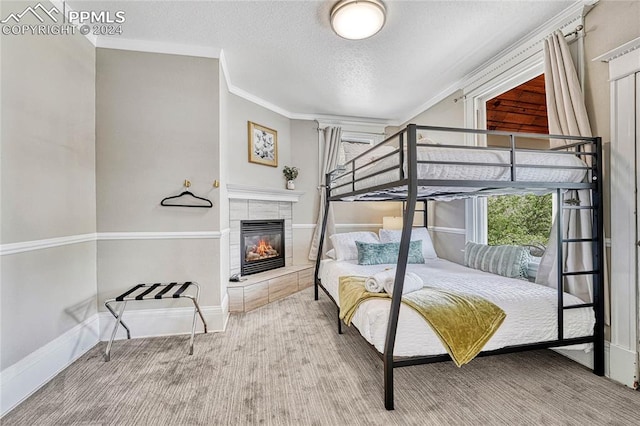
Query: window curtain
pixel 329 140
pixel 567 115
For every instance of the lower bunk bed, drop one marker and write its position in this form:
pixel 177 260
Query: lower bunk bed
pixel 531 309
pixel 406 168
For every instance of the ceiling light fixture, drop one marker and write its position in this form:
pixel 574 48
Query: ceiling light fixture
pixel 358 19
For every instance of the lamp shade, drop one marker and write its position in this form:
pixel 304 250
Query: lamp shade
pixel 391 222
pixel 358 19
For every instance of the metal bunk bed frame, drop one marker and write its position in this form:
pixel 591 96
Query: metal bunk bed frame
pixel 411 181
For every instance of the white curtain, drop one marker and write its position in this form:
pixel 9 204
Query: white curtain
pixel 567 115
pixel 329 141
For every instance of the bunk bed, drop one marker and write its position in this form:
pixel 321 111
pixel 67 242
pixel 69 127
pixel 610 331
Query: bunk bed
pixel 415 165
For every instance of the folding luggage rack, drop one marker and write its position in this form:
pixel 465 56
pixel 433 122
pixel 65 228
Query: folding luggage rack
pixel 154 292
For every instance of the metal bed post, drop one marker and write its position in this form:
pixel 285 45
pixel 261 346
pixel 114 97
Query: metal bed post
pixel 598 263
pixel 401 266
pixel 425 214
pixel 512 143
pixel 560 262
pixel 322 233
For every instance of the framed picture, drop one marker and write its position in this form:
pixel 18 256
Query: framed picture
pixel 263 145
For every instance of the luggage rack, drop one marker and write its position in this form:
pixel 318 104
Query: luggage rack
pixel 155 291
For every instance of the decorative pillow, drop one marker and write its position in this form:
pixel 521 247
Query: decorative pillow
pixel 509 261
pixel 331 254
pixel 421 233
pixel 345 244
pixel 375 254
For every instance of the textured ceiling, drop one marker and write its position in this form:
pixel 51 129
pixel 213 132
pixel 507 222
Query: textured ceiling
pixel 286 53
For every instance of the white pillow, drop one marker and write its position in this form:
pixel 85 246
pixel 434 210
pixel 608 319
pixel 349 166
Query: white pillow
pixel 331 254
pixel 422 138
pixel 377 152
pixel 353 149
pixel 418 233
pixel 345 244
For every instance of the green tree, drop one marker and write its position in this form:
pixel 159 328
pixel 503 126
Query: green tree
pixel 519 219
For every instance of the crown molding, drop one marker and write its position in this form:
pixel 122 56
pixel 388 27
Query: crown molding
pixel 521 50
pixel 63 6
pixel 428 104
pixel 619 51
pixel 528 45
pixel 506 58
pixel 147 46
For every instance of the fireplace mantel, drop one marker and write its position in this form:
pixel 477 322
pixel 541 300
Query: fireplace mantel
pixel 243 192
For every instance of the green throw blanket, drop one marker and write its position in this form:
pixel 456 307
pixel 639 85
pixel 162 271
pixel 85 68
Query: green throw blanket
pixel 464 323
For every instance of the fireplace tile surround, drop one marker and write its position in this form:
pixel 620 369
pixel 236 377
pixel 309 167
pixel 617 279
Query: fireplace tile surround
pixel 247 209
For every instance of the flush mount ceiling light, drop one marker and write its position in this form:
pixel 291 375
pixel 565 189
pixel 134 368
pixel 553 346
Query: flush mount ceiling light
pixel 357 19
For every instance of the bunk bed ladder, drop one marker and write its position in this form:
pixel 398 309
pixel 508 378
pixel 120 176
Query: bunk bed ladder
pixel 598 261
pixel 597 270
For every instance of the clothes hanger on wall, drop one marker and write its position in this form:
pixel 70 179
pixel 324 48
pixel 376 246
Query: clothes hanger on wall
pixel 167 203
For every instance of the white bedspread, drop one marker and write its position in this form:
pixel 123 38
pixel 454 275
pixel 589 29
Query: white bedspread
pixel 469 172
pixel 530 308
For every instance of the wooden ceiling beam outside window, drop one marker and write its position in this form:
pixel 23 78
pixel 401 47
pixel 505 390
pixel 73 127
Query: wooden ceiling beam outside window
pixel 521 109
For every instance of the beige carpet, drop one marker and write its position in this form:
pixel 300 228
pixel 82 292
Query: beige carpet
pixel 285 364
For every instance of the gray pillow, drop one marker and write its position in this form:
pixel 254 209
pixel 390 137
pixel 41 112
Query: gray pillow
pixel 376 254
pixel 508 261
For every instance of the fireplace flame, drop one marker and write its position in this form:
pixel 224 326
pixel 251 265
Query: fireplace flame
pixel 263 248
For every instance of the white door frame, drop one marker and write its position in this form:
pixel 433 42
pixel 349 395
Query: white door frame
pixel 624 74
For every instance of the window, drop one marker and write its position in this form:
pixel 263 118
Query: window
pixel 519 219
pixel 355 143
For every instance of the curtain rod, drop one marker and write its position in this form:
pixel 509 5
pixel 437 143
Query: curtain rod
pixel 575 32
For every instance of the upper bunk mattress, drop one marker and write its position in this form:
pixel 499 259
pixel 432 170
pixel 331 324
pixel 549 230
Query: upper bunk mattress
pixel 558 173
pixel 531 308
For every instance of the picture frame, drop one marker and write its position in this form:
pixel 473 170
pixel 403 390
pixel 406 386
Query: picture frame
pixel 263 145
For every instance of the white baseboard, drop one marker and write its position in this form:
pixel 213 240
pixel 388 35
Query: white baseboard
pixel 26 376
pixel 623 365
pixel 165 322
pixel 586 358
pixel 23 378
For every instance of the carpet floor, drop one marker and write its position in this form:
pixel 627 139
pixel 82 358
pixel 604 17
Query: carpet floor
pixel 285 364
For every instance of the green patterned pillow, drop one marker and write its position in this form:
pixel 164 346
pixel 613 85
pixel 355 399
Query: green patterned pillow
pixel 375 254
pixel 508 261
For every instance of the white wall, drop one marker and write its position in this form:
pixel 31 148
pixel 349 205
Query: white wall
pixel 446 219
pixel 241 171
pixel 157 124
pixel 48 207
pixel 48 188
pixel 304 155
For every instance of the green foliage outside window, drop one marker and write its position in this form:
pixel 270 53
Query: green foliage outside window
pixel 519 219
